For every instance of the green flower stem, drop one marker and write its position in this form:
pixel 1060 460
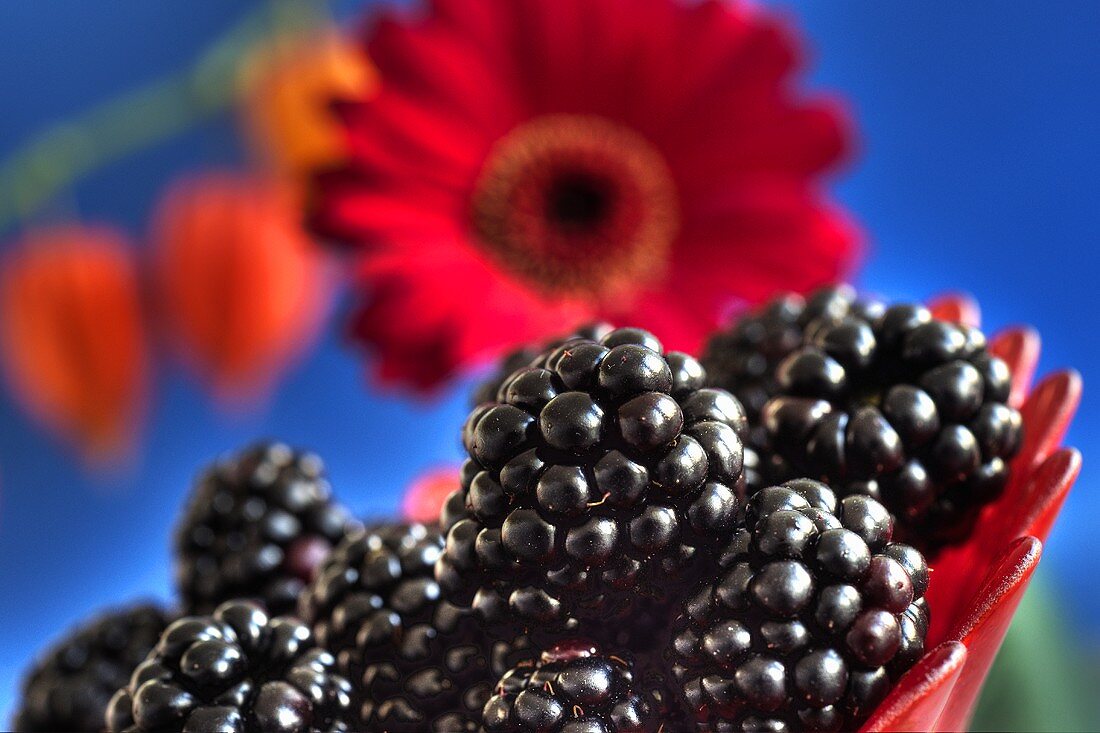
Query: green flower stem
pixel 60 155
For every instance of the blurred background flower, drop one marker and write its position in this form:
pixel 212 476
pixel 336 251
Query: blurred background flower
pixel 103 118
pixel 73 339
pixel 240 286
pixel 514 176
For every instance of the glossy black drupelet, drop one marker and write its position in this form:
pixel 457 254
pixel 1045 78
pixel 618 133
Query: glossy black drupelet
pixel 591 485
pixel 257 526
pixel 572 691
pixel 70 685
pixel 901 407
pixel 234 671
pixel 811 617
pixel 519 358
pixel 419 663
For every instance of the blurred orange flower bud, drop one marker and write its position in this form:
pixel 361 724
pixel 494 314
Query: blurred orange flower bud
pixel 241 287
pixel 285 88
pixel 72 340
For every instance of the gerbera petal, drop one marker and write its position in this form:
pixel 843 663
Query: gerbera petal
pixel 348 208
pixel 984 627
pixel 714 44
pixel 1019 348
pixel 470 92
pixel 919 697
pixel 400 136
pixel 1026 509
pixel 956 308
pixel 755 230
pixel 1047 414
pixel 424 499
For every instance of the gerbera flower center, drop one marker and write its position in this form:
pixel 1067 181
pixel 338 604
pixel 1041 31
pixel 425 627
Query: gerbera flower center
pixel 577 205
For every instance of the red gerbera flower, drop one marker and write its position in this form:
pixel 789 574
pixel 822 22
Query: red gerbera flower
pixel 531 164
pixel 977 586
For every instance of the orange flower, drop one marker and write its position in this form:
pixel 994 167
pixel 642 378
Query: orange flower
pixel 284 86
pixel 241 288
pixel 72 341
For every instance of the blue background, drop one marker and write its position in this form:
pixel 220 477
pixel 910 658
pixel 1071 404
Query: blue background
pixel 978 172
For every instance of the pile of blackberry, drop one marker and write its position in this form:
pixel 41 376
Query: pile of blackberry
pixel 613 558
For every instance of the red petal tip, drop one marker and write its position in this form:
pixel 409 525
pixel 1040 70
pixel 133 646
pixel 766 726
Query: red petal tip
pixel 1047 414
pixel 984 627
pixel 921 695
pixel 424 500
pixel 956 308
pixel 1019 348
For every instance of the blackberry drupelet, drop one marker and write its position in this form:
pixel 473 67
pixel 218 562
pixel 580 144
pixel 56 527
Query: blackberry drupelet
pixel 523 356
pixel 420 663
pixel 257 526
pixel 236 670
pixel 69 687
pixel 591 485
pixel 571 689
pixel 904 408
pixel 811 617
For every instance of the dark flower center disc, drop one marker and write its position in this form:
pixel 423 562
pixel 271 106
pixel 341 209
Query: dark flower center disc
pixel 578 206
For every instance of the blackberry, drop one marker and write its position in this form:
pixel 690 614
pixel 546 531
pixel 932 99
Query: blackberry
pixel 603 469
pixel 743 357
pixel 69 687
pixel 235 670
pixel 811 617
pixel 257 526
pixel 905 408
pixel 420 662
pixel 571 689
pixel 523 356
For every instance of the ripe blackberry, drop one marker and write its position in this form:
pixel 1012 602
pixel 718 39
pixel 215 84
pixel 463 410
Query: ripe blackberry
pixel 421 663
pixel 743 357
pixel 902 407
pixel 69 687
pixel 571 689
pixel 236 670
pixel 523 356
pixel 604 468
pixel 812 615
pixel 257 526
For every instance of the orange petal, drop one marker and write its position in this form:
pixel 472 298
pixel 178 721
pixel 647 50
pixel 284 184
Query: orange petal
pixel 956 308
pixel 920 696
pixel 424 499
pixel 241 287
pixel 1019 348
pixel 72 338
pixel 284 88
pixel 1047 413
pixel 984 627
